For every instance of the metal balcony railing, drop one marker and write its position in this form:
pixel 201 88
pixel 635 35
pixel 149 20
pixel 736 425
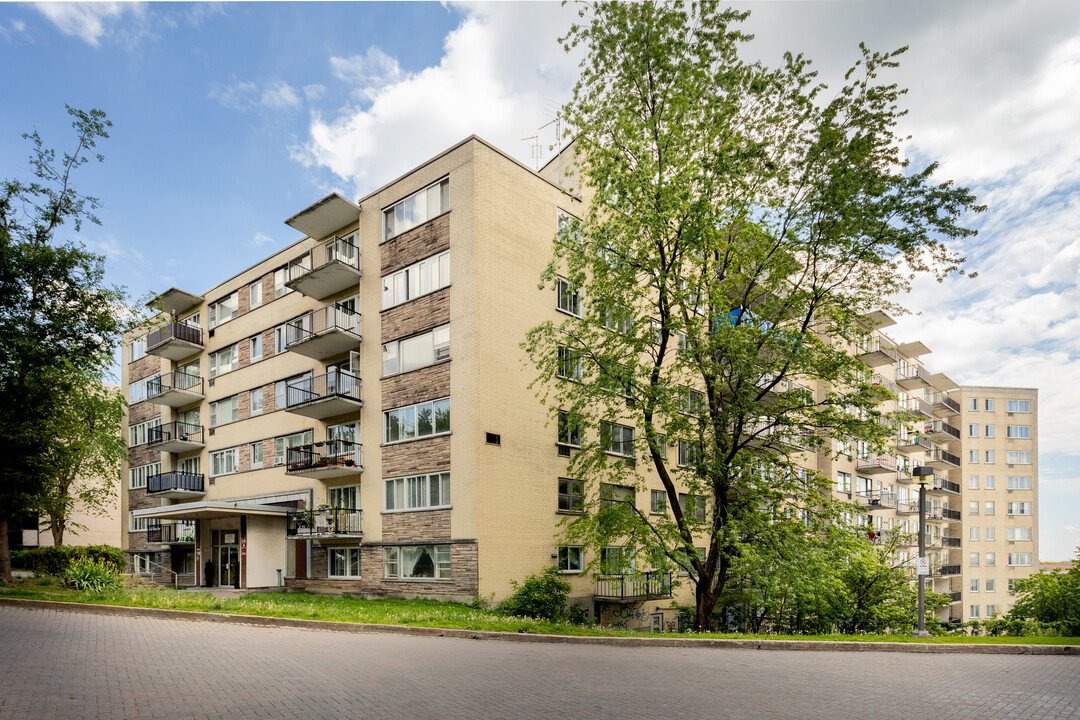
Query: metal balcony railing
pixel 950 514
pixel 323 522
pixel 335 384
pixel 878 498
pixel 943 428
pixel 942 456
pixel 167 482
pixel 171 533
pixel 885 383
pixel 876 462
pixel 947 571
pixel 322 454
pixel 911 372
pixel 940 398
pixel 335 249
pixel 633 587
pixel 943 483
pixel 950 542
pixel 328 318
pixel 173 331
pixel 176 430
pixel 176 380
pixel 955 596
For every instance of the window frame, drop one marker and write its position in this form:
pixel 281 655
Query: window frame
pixel 571 496
pixel 348 563
pixel 414 493
pixel 564 289
pixel 390 230
pixel 570 555
pixel 415 410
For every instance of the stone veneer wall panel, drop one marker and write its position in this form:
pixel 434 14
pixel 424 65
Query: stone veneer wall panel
pixel 415 316
pixel 421 526
pixel 418 456
pixel 143 411
pixel 416 244
pixel 430 383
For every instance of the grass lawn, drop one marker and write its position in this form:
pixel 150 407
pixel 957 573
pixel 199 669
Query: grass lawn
pixel 417 613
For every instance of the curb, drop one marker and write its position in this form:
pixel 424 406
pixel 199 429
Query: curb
pixel 334 626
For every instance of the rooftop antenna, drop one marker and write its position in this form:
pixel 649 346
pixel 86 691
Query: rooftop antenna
pixel 536 150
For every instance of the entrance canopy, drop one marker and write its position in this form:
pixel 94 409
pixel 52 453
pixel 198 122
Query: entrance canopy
pixel 209 509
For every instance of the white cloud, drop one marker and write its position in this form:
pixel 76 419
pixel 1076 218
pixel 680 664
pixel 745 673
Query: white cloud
pixel 500 75
pixel 245 95
pixel 279 95
pixel 261 240
pixel 84 20
pixel 314 91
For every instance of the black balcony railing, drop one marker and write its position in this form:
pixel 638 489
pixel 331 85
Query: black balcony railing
pixel 940 398
pixel 173 331
pixel 950 514
pixel 167 482
pixel 176 380
pixel 335 384
pixel 329 318
pixel 323 522
pixel 955 596
pixel 179 532
pixel 915 440
pixel 948 571
pixel 937 426
pixel 329 453
pixel 176 430
pixel 950 542
pixel 945 484
pixel 939 455
pixel 633 587
pixel 333 250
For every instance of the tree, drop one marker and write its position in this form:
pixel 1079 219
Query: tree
pixel 58 318
pixel 739 229
pixel 1051 598
pixel 87 452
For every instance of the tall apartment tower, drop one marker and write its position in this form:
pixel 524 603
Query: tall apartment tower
pixel 353 413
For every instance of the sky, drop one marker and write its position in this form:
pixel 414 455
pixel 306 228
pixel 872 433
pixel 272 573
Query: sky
pixel 229 118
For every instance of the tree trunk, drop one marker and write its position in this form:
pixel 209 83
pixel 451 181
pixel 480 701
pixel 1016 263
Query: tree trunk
pixel 5 554
pixel 706 602
pixel 57 525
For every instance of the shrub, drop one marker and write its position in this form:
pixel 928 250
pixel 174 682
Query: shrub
pixel 96 576
pixel 55 559
pixel 539 596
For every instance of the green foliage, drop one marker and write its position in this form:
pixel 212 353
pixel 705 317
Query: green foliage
pixel 1050 599
pixel 55 559
pixel 93 575
pixel 542 595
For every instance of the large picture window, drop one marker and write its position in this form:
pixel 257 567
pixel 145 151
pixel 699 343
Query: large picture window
pixel 617 439
pixel 137 475
pixel 137 434
pixel 224 310
pixel 344 562
pixel 417 351
pixel 417 492
pixel 416 421
pixel 416 209
pixel 1018 406
pixel 1019 457
pixel 224 360
pixel 417 562
pixel 224 462
pixel 420 278
pixel 571 495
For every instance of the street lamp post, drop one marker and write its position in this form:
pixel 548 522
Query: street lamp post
pixel 922 475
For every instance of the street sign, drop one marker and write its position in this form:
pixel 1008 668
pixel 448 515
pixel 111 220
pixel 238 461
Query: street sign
pixel 923 566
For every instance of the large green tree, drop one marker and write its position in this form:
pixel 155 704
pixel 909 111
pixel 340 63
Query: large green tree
pixel 740 226
pixel 58 319
pixel 1052 598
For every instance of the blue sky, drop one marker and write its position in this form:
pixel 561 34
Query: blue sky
pixel 228 118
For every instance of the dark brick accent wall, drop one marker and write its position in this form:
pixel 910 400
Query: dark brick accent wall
pixel 418 456
pixel 422 241
pixel 143 367
pixel 415 316
pixel 422 526
pixel 143 411
pixel 430 383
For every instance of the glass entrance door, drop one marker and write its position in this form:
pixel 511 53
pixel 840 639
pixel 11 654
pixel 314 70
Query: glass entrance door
pixel 228 566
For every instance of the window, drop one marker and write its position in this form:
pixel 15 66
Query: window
pixel 139 388
pixel 973 430
pixel 689 452
pixel 973 405
pixel 569 227
pixel 224 411
pixel 1019 533
pixel 991 610
pixel 612 495
pixel 1019 560
pixel 569 366
pixel 691 402
pixel 224 310
pixel 417 421
pixel 989 507
pixel 224 462
pixel 1019 508
pixel 255 452
pixel 616 560
pixel 417 562
pixel 255 294
pixel 989 458
pixel 224 360
pixel 990 559
pixel 283 443
pixel 658 502
pixel 990 534
pixel 989 405
pixel 418 279
pixel 417 492
pixel 344 562
pixel 568 297
pixel 973 482
pixel 137 524
pixel 973 586
pixel 137 475
pixel 1012 582
pixel 989 431
pixel 1019 482
pixel 617 439
pixel 973 507
pixel 138 348
pixel 991 585
pixel 843 482
pixel 570 559
pixel 619 319
pixel 280 276
pixel 569 429
pixel 416 209
pixel 137 434
pixel 973 559
pixel 256 403
pixel 693 505
pixel 571 496
pixel 973 534
pixel 345 432
pixel 1018 406
pixel 973 611
pixel 973 456
pixel 417 351
pixel 989 482
pixel 1018 432
pixel 255 348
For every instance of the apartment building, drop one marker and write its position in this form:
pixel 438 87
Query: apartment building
pixel 353 413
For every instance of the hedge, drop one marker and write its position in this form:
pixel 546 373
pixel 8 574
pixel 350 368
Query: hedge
pixel 54 559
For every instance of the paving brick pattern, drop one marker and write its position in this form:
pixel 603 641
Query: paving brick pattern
pixel 74 665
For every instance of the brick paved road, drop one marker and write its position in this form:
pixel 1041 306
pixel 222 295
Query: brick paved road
pixel 72 665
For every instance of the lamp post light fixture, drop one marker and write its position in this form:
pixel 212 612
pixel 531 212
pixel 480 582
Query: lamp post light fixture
pixel 922 475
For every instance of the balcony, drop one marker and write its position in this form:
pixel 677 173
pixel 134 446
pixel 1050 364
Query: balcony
pixel 942 405
pixel 947 571
pixel 324 460
pixel 941 459
pixel 175 389
pixel 323 333
pixel 174 340
pixel 917 407
pixel 876 353
pixel 876 464
pixel 950 514
pixel 941 431
pixel 955 596
pixel 877 498
pixel 913 442
pixel 950 542
pixel 632 588
pixel 912 377
pixel 326 524
pixel 176 437
pixel 176 485
pixel 174 533
pixel 332 267
pixel 324 396
pixel 942 484
pixel 882 381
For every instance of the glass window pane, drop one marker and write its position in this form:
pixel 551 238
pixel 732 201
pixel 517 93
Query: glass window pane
pixel 442 415
pixel 423 420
